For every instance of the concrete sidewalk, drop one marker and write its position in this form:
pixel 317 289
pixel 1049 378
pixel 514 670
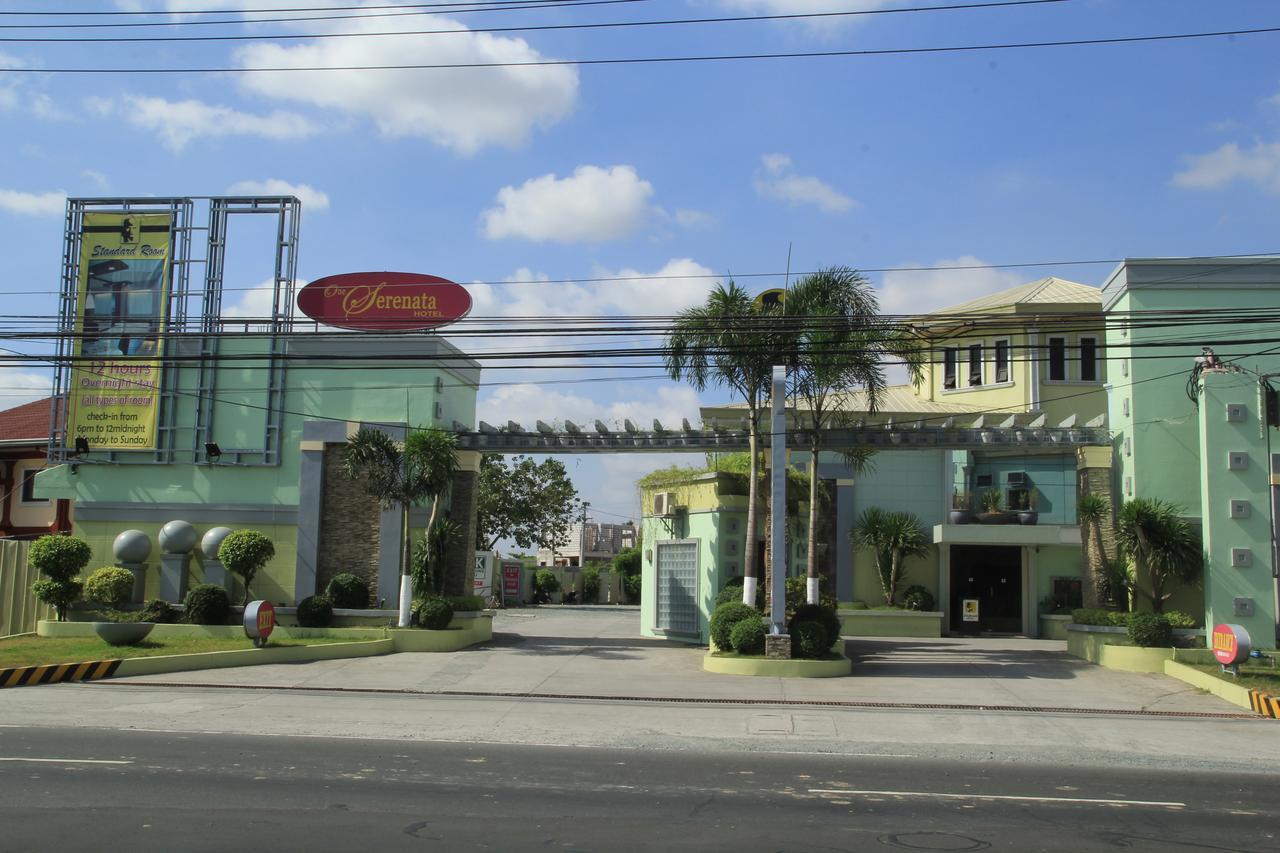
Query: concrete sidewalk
pixel 597 652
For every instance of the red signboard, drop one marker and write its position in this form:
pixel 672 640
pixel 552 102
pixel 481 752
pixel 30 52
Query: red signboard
pixel 384 301
pixel 1231 644
pixel 259 621
pixel 510 579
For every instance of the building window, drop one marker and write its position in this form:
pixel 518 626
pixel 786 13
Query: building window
pixel 1002 361
pixel 29 487
pixel 1057 359
pixel 1088 359
pixel 975 364
pixel 949 367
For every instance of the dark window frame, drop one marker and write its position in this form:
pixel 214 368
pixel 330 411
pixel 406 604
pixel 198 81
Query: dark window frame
pixel 950 365
pixel 28 493
pixel 975 365
pixel 1089 365
pixel 1000 357
pixel 1057 359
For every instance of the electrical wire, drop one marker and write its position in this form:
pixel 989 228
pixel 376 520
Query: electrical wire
pixel 654 60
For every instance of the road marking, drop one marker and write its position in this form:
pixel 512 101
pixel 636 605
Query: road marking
pixel 846 792
pixel 67 760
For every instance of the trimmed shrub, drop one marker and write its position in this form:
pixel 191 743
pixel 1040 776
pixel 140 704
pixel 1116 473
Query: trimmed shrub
pixel 110 585
pixel 435 614
pixel 631 586
pixel 244 553
pixel 732 591
pixel 1178 619
pixel 747 636
pixel 821 615
pixel 315 611
pixel 57 594
pixel 1107 618
pixel 590 585
pixel 1150 630
pixel 157 610
pixel 724 617
pixel 797 590
pixel 545 582
pixel 465 603
pixel 809 640
pixel 59 557
pixel 207 604
pixel 348 592
pixel 916 597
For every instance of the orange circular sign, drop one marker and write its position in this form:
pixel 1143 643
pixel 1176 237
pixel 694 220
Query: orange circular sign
pixel 1231 644
pixel 259 621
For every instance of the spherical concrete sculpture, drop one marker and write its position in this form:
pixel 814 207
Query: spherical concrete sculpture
pixel 212 541
pixel 131 546
pixel 177 537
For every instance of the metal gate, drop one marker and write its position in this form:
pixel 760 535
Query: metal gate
pixel 677 572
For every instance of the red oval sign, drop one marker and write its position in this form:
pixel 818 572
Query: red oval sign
pixel 1231 644
pixel 384 301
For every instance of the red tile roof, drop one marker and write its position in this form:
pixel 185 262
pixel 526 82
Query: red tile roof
pixel 30 421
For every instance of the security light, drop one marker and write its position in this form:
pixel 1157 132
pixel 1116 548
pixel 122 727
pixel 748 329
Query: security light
pixel 82 445
pixel 212 451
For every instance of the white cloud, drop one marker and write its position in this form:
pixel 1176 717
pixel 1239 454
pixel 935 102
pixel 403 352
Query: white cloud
pixel 800 7
pixel 1259 165
pixel 255 302
pixel 17 387
pixel 590 206
pixel 528 403
pixel 928 290
pixel 43 107
pixel 311 198
pixel 33 204
pixel 179 122
pixel 99 180
pixel 781 184
pixel 692 218
pixel 463 109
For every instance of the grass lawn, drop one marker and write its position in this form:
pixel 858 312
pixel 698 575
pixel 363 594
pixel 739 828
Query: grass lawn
pixel 30 651
pixel 1258 676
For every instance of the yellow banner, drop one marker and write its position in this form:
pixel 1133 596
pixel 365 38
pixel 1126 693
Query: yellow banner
pixel 120 314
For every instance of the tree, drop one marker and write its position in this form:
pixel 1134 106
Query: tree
pixel 892 538
pixel 405 475
pixel 837 343
pixel 727 342
pixel 1092 509
pixel 59 559
pixel 531 503
pixel 244 553
pixel 1161 546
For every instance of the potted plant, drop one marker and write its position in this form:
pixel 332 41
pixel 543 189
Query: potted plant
pixel 991 512
pixel 961 508
pixel 110 587
pixel 1027 513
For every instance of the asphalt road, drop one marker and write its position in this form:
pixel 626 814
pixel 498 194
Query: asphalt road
pixel 73 789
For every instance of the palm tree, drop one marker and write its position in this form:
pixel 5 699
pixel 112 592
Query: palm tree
pixel 405 475
pixel 725 342
pixel 1092 509
pixel 838 343
pixel 892 538
pixel 1152 534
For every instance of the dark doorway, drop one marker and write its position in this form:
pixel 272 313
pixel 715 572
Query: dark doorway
pixel 991 575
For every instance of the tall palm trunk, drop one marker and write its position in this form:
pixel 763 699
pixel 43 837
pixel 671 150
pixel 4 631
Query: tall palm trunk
pixel 750 571
pixel 811 573
pixel 406 568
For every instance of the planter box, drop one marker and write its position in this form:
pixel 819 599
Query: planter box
pixel 890 623
pixel 1112 648
pixel 1054 626
pixel 794 668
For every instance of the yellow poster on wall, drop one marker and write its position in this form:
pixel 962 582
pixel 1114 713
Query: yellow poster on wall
pixel 121 301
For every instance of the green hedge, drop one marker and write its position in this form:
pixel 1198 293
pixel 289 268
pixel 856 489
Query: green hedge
pixel 1106 618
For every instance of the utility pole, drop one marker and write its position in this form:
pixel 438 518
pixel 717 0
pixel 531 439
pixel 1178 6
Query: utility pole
pixel 582 537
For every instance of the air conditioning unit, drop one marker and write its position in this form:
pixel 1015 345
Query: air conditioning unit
pixel 664 503
pixel 1017 478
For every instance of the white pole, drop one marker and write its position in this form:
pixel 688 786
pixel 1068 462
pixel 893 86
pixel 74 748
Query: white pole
pixel 778 547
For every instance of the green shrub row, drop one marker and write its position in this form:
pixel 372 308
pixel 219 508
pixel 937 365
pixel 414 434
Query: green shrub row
pixel 1116 619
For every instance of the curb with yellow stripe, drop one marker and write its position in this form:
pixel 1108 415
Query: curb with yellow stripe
pixel 53 673
pixel 1265 704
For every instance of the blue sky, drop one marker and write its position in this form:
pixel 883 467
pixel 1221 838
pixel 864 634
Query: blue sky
pixel 685 169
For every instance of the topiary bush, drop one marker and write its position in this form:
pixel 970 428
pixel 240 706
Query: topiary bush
pixel 732 591
pixel 1178 619
pixel 315 611
pixel 747 635
pixel 110 585
pixel 724 617
pixel 590 585
pixel 916 597
pixel 157 610
pixel 348 592
pixel 809 640
pixel 1150 630
pixel 207 604
pixel 244 553
pixel 1108 618
pixel 59 559
pixel 435 614
pixel 821 615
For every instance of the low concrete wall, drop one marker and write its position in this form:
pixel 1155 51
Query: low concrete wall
pixel 890 623
pixel 251 657
pixel 1112 648
pixel 460 634
pixel 1054 627
pixel 794 668
pixel 1223 689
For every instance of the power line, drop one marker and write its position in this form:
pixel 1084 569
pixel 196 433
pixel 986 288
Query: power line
pixel 655 60
pixel 264 11
pixel 528 28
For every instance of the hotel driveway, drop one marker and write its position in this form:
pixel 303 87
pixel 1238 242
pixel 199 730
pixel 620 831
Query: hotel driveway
pixel 596 652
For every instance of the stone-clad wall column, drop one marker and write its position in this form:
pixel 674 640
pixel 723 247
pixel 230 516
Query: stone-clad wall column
pixel 1094 476
pixel 462 509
